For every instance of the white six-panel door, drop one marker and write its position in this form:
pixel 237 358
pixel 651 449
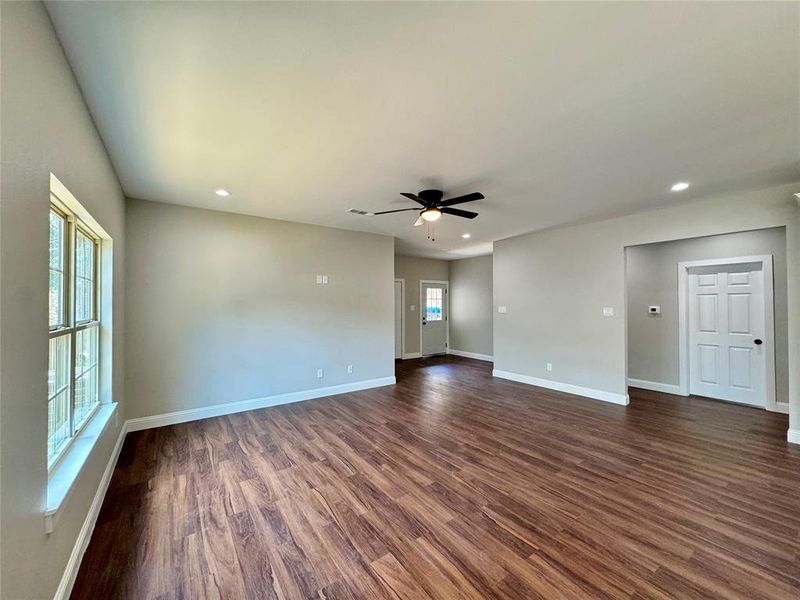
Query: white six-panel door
pixel 727 358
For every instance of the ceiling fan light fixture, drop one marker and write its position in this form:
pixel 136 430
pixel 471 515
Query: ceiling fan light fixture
pixel 431 214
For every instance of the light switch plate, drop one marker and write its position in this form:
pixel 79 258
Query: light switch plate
pixel 412 308
pixel 319 279
pixel 502 309
pixel 608 311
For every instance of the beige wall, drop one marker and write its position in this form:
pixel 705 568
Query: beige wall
pixel 651 278
pixel 414 269
pixel 45 127
pixel 225 307
pixel 555 284
pixel 471 305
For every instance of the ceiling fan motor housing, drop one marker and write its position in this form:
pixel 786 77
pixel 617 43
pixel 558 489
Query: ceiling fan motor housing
pixel 431 196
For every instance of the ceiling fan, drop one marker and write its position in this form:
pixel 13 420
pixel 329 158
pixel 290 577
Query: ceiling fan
pixel 433 207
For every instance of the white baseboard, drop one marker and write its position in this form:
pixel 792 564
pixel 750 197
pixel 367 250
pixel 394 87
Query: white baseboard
pixel 564 387
pixel 780 407
pixel 667 388
pixel 408 355
pixel 228 408
pixel 793 436
pixel 474 355
pixel 85 534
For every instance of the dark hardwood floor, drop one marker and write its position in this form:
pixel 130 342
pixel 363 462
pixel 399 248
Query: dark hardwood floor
pixel 453 484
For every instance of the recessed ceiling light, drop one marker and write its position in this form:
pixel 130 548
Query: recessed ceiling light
pixel 466 236
pixel 223 193
pixel 680 186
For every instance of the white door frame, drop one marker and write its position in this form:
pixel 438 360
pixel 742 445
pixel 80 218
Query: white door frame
pixel 771 403
pixel 447 316
pixel 402 316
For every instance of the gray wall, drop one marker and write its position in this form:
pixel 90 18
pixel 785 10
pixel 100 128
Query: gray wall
pixel 45 127
pixel 225 307
pixel 652 278
pixel 414 269
pixel 556 282
pixel 471 305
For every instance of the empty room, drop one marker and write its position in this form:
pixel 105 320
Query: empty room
pixel 399 300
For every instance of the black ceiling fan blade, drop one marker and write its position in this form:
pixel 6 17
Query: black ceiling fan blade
pixel 386 212
pixel 461 199
pixel 459 213
pixel 414 197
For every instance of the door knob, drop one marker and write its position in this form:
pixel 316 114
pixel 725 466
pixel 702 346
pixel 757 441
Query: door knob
pixel 758 342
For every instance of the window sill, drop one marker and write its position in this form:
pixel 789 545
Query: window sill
pixel 66 473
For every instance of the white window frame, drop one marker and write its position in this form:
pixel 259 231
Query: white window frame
pixel 70 326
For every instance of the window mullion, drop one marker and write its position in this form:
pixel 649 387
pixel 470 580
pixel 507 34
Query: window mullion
pixel 70 283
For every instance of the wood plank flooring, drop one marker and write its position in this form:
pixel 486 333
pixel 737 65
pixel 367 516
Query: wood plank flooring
pixel 453 484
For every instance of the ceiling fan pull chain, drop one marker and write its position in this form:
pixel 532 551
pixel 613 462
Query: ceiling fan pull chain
pixel 431 232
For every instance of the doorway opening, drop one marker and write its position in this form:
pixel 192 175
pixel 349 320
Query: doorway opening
pixel 708 317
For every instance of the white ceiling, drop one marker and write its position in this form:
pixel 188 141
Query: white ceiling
pixel 558 113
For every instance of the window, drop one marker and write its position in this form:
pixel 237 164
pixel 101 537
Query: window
pixel 73 375
pixel 433 304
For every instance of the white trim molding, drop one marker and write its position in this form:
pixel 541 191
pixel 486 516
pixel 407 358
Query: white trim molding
pixel 229 408
pixel 409 355
pixel 402 283
pixel 793 436
pixel 578 390
pixel 474 355
pixel 85 534
pixel 782 407
pixel 656 386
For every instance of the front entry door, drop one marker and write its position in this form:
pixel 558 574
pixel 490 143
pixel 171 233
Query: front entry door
pixel 727 337
pixel 433 302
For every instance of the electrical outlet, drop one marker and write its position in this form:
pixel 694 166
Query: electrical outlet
pixel 349 369
pixel 320 373
pixel 608 311
pixel 549 366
